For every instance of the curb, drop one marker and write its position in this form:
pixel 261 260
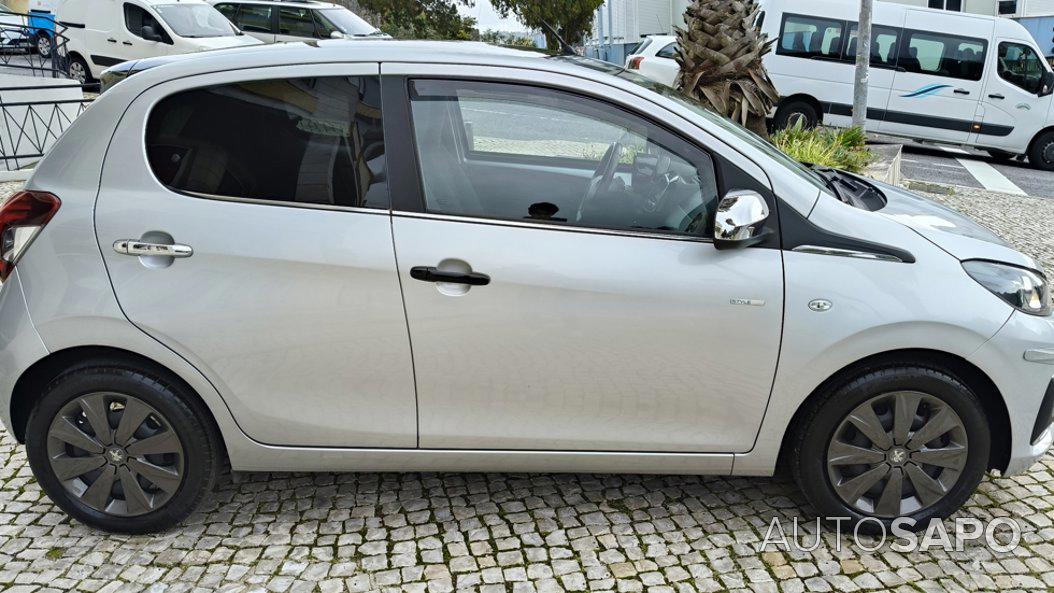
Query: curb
pixel 16 175
pixel 886 167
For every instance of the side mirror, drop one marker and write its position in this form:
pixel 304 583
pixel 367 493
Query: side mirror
pixel 739 222
pixel 336 35
pixel 150 34
pixel 1046 85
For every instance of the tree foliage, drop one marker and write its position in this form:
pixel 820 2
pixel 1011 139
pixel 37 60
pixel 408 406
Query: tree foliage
pixel 572 19
pixel 720 54
pixel 420 19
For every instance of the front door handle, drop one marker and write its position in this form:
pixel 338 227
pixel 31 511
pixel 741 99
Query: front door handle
pixel 961 92
pixel 112 40
pixel 141 248
pixel 996 96
pixel 433 274
pixel 127 42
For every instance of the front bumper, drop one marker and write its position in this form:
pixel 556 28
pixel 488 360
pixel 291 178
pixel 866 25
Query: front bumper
pixel 1026 382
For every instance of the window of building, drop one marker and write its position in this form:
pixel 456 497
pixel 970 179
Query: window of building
pixel 303 140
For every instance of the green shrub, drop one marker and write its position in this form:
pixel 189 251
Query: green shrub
pixel 839 149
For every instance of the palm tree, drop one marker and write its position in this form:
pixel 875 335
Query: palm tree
pixel 720 55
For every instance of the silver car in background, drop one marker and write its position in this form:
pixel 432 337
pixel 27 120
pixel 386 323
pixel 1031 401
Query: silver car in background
pixel 421 256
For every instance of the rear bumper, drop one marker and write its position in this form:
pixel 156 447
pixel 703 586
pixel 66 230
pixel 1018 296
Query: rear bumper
pixel 1027 386
pixel 20 345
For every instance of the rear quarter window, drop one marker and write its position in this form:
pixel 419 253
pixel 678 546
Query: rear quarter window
pixel 298 141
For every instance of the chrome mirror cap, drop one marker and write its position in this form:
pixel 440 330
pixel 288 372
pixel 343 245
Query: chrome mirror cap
pixel 740 219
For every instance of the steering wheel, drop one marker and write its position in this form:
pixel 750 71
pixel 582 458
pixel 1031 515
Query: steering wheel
pixel 603 175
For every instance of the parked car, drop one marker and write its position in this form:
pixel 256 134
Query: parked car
pixel 283 20
pixel 102 33
pixel 226 258
pixel 654 57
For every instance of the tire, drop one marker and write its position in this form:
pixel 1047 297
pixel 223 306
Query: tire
pixel 78 70
pixel 1000 155
pixel 171 459
pixel 43 45
pixel 1041 153
pixel 820 459
pixel 797 110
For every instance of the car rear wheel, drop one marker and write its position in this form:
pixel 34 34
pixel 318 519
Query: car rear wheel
pixel 901 441
pixel 44 45
pixel 121 450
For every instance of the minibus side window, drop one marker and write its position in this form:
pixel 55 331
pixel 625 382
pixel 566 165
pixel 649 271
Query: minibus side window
pixel 942 55
pixel 884 44
pixel 811 37
pixel 1021 66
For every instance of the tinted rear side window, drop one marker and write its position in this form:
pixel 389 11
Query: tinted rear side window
pixel 304 140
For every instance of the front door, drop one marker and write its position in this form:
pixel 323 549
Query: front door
pixel 1013 109
pixel 560 288
pixel 295 24
pixel 282 290
pixel 939 79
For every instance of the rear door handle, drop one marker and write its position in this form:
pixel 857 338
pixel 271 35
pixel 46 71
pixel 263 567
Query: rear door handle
pixel 140 248
pixel 996 96
pixel 112 40
pixel 127 42
pixel 961 92
pixel 433 274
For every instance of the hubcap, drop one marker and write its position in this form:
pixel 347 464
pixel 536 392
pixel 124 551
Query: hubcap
pixel 896 454
pixel 77 73
pixel 44 46
pixel 115 453
pixel 1048 152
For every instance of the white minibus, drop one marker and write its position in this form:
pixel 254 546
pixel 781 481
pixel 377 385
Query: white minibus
pixel 935 76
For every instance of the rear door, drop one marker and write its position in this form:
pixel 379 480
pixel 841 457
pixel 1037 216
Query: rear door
pixel 588 309
pixel 940 72
pixel 270 186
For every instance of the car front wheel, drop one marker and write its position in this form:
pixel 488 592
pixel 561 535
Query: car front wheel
pixel 120 449
pixel 901 441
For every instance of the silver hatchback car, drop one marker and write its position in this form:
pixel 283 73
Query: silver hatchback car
pixel 410 256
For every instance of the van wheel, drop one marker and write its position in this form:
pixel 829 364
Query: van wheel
pixel 792 112
pixel 1041 153
pixel 43 45
pixel 78 70
pixel 120 450
pixel 901 441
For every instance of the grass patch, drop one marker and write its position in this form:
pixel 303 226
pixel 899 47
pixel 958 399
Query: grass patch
pixel 55 553
pixel 839 149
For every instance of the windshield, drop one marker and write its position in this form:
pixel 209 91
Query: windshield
pixel 347 22
pixel 697 108
pixel 195 20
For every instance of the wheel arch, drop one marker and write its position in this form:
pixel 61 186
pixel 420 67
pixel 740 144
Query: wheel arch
pixel 1035 137
pixel 966 372
pixel 35 378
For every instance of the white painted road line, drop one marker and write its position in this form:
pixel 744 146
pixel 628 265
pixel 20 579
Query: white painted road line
pixel 990 178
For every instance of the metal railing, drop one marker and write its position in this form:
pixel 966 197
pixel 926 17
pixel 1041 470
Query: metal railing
pixel 29 125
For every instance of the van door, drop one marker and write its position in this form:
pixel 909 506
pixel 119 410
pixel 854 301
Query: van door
pixel 1013 109
pixel 136 24
pixel 939 80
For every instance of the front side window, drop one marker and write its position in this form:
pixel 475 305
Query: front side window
pixel 296 22
pixel 345 21
pixel 884 42
pixel 504 151
pixel 302 140
pixel 810 37
pixel 255 18
pixel 943 55
pixel 1021 66
pixel 136 18
pixel 195 20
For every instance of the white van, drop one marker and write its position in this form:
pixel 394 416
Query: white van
pixel 103 33
pixel 935 75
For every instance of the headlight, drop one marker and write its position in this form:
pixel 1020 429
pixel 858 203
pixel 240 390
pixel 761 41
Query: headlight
pixel 1024 290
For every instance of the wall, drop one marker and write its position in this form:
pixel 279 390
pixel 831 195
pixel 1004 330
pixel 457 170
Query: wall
pixel 1042 30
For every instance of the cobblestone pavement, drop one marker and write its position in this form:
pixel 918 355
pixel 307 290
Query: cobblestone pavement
pixel 496 532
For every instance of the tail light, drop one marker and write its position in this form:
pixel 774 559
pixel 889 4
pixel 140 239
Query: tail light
pixel 634 62
pixel 22 217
